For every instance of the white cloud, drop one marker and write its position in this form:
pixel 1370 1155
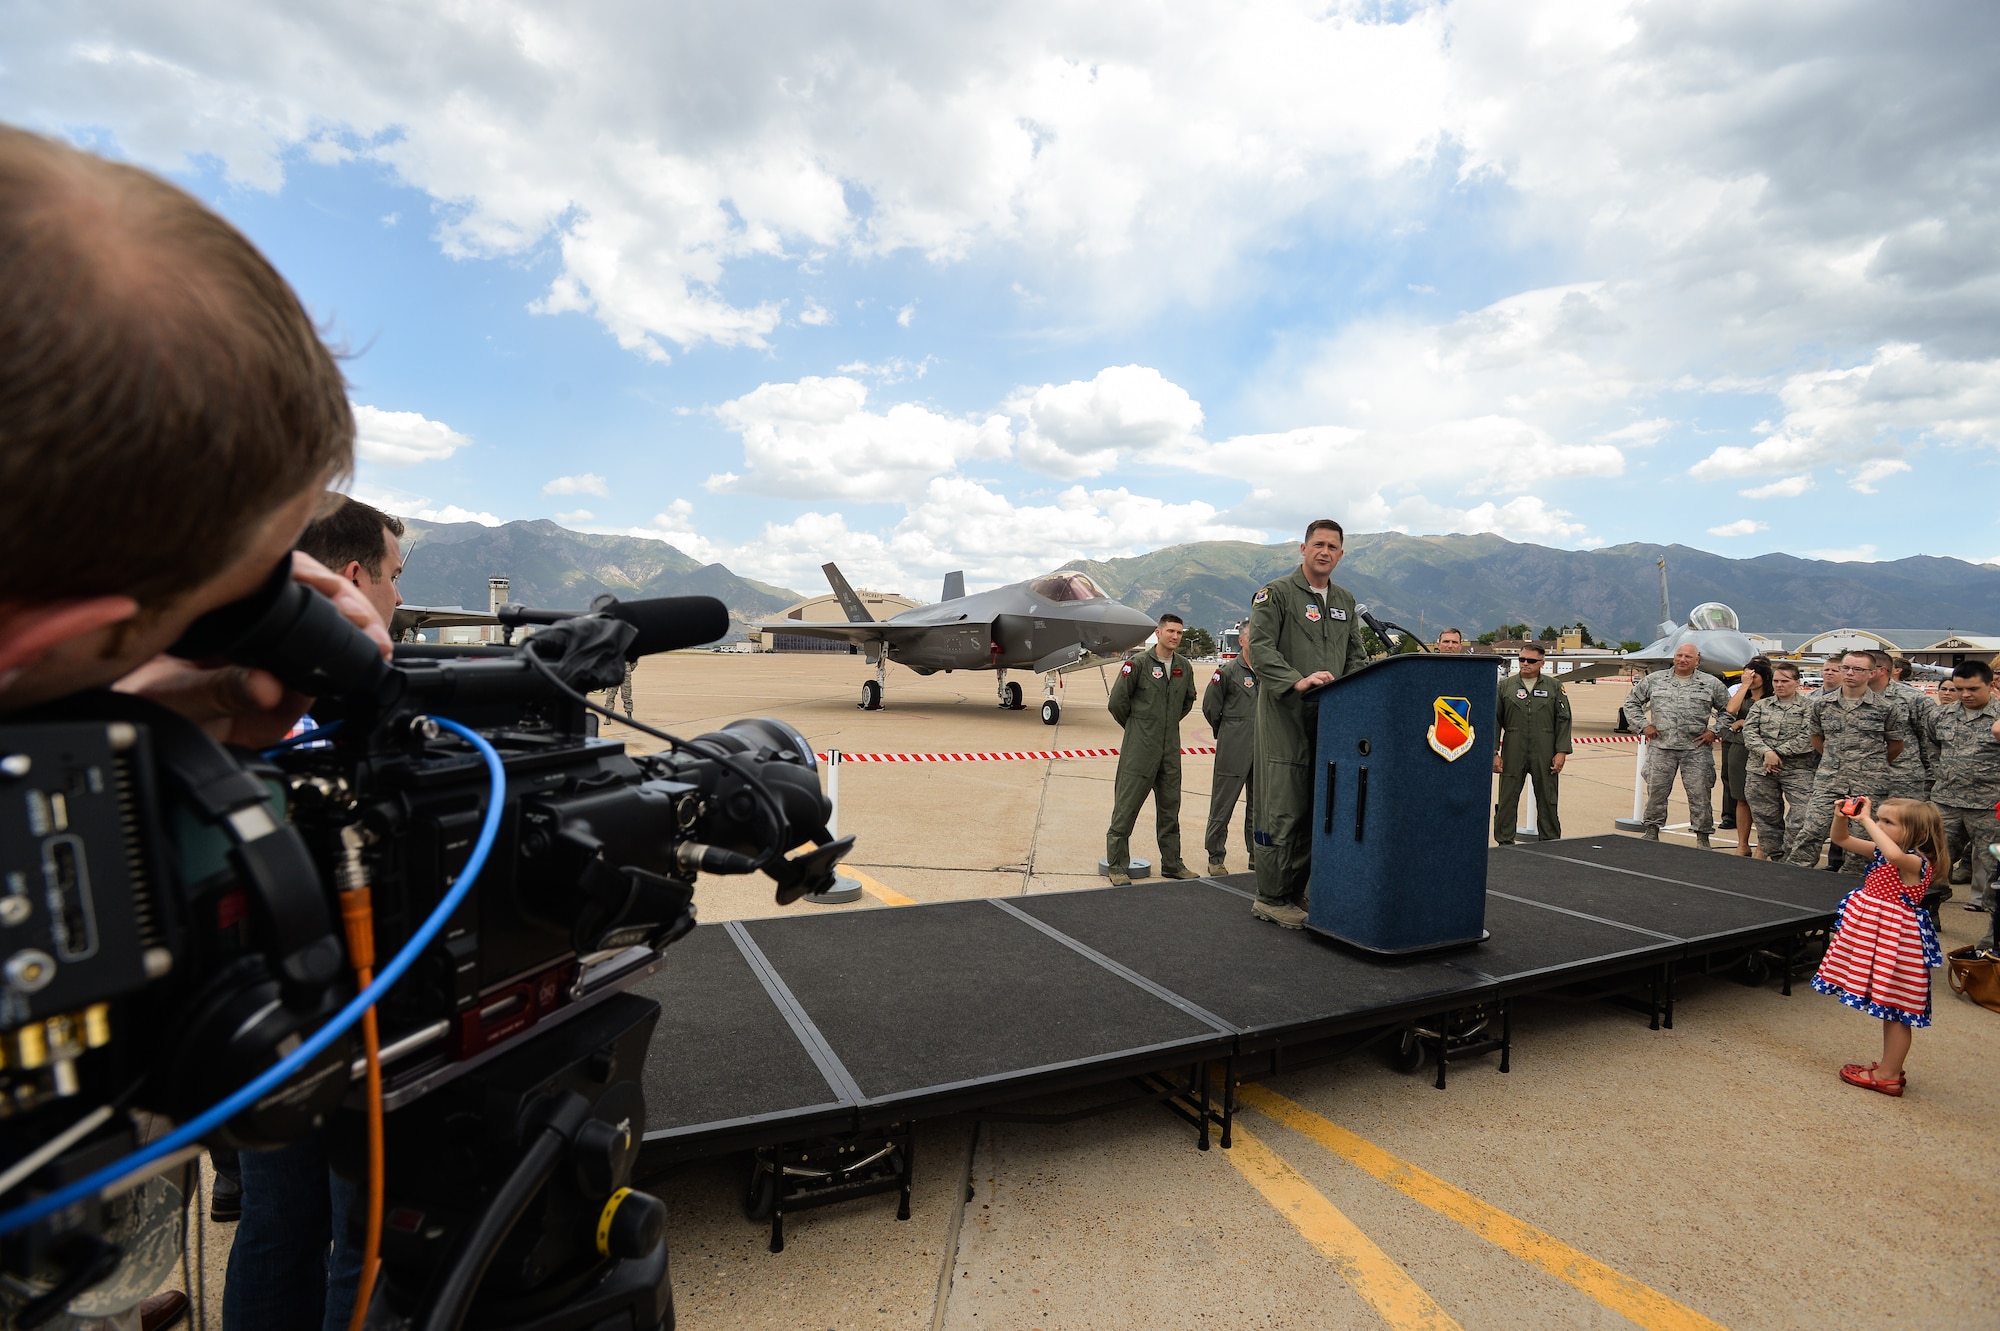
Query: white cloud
pixel 1740 527
pixel 815 315
pixel 402 438
pixel 907 314
pixel 1791 487
pixel 1084 428
pixel 589 483
pixel 1867 477
pixel 816 439
pixel 453 513
pixel 1872 413
pixel 574 516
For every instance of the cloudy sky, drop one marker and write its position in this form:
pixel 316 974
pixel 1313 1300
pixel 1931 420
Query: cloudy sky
pixel 930 287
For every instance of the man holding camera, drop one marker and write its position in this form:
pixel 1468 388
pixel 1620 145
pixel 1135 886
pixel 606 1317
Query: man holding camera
pixel 169 423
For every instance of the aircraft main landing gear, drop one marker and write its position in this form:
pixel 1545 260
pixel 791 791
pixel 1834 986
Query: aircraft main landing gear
pixel 1010 693
pixel 872 689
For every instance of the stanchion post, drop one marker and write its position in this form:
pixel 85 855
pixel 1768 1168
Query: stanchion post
pixel 1637 822
pixel 833 791
pixel 1529 824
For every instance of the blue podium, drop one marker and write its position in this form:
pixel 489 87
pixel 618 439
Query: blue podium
pixel 1402 796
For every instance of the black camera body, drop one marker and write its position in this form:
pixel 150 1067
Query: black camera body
pixel 170 910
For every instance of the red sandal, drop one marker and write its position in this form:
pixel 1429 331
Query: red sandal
pixel 1854 1074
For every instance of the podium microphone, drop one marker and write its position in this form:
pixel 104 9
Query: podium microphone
pixel 1382 629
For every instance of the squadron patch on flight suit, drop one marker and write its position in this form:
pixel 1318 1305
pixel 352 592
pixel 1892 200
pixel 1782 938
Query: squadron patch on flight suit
pixel 1125 669
pixel 1249 681
pixel 1261 597
pixel 1312 613
pixel 1160 673
pixel 1520 693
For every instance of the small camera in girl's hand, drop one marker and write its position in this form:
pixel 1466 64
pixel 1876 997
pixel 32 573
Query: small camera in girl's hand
pixel 1850 807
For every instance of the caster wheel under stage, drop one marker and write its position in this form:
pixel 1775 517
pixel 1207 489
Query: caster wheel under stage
pixel 871 696
pixel 1409 1054
pixel 1051 712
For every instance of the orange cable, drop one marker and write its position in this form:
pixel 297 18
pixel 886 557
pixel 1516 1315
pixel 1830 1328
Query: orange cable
pixel 357 913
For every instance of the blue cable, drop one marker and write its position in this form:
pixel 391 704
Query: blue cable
pixel 313 736
pixel 201 1125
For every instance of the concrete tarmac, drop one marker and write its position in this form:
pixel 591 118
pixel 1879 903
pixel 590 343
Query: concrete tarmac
pixel 1718 1174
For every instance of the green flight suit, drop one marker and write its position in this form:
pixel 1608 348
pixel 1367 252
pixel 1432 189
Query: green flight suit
pixel 1229 705
pixel 1293 633
pixel 1532 724
pixel 1149 700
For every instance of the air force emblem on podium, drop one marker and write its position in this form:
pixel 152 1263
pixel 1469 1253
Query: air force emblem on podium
pixel 1451 727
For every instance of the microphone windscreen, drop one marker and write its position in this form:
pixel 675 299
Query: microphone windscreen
pixel 666 623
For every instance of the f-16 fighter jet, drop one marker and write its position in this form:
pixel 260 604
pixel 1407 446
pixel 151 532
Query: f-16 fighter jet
pixel 1062 621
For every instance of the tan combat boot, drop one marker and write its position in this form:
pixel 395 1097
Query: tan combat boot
pixel 1119 878
pixel 1650 834
pixel 1217 868
pixel 1281 913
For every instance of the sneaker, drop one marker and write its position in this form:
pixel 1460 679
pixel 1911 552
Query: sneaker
pixel 1650 834
pixel 1217 868
pixel 1281 913
pixel 1701 841
pixel 1119 879
pixel 1179 871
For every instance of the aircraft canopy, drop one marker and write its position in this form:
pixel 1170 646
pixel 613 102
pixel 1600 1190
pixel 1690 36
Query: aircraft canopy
pixel 1713 615
pixel 1067 587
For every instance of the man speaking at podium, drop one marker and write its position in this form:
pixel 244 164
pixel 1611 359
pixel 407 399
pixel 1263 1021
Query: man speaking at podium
pixel 1303 633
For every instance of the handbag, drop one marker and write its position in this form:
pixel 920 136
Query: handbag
pixel 1976 975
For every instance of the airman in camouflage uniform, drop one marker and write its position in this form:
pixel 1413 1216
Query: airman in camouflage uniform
pixel 1968 779
pixel 1302 636
pixel 1151 696
pixel 1684 702
pixel 1858 738
pixel 1910 774
pixel 1779 727
pixel 1229 705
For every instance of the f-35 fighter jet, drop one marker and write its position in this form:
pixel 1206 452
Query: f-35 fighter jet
pixel 1062 621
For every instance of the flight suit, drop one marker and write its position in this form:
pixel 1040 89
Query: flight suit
pixel 1967 786
pixel 1294 632
pixel 1532 722
pixel 1682 708
pixel 1149 700
pixel 1778 799
pixel 1229 705
pixel 1855 761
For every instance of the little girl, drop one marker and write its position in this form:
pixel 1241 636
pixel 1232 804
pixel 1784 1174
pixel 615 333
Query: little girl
pixel 1884 946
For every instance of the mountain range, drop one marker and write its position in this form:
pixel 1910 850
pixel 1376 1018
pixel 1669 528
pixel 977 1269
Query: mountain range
pixel 1478 582
pixel 555 568
pixel 1425 582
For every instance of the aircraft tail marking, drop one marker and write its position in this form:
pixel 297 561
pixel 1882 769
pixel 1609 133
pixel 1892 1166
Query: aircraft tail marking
pixel 850 604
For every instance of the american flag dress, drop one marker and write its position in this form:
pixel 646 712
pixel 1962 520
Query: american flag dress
pixel 1883 948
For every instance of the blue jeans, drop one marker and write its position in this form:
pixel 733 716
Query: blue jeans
pixel 292 1266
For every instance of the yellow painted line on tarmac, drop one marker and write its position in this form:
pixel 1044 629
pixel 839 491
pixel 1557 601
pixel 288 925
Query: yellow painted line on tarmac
pixel 1612 1288
pixel 1369 1272
pixel 887 896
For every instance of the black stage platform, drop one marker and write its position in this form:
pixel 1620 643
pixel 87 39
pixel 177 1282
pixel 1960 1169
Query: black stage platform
pixel 782 1030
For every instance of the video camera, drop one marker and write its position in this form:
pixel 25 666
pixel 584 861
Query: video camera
pixel 171 921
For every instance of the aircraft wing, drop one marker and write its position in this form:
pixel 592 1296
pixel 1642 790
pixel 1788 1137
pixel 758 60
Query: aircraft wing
pixel 436 617
pixel 861 634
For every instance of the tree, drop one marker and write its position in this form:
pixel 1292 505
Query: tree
pixel 1490 636
pixel 1628 645
pixel 1198 642
pixel 1548 634
pixel 1583 631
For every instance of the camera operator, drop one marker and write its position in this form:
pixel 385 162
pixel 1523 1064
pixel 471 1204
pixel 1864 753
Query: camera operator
pixel 169 423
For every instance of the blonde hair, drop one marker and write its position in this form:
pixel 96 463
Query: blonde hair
pixel 1925 826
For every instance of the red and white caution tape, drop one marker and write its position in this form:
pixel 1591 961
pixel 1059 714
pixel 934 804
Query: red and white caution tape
pixel 1045 755
pixel 1033 755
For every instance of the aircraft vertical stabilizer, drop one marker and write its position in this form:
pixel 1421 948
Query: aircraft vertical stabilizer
pixel 850 604
pixel 954 587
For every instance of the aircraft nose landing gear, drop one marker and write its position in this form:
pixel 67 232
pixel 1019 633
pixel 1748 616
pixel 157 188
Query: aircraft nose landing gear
pixel 1051 711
